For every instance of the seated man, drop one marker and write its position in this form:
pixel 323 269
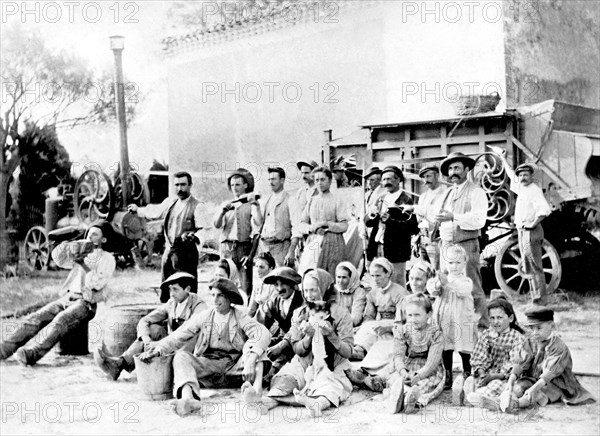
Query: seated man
pixel 280 309
pixel 91 268
pixel 229 344
pixel 180 307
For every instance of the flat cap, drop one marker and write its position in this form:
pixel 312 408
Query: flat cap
pixel 527 166
pixel 428 168
pixel 371 171
pixel 394 169
pixel 538 315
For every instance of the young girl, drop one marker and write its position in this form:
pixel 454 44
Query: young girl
pixel 351 294
pixel 261 292
pixel 542 369
pixel 418 347
pixel 491 358
pixel 418 276
pixel 454 313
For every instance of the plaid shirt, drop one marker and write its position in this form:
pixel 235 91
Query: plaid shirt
pixel 492 352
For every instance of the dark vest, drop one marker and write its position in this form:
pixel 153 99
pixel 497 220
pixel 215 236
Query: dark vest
pixel 189 223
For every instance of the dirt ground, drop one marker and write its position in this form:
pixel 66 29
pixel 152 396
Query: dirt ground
pixel 69 395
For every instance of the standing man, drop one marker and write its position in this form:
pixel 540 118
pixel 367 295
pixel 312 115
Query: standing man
pixel 300 200
pixel 374 189
pixel 426 212
pixel 392 227
pixel 530 210
pixel 240 220
pixel 182 220
pixel 91 269
pixel 462 213
pixel 277 228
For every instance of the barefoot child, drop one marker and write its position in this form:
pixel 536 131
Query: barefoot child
pixel 454 313
pixel 418 347
pixel 491 358
pixel 542 369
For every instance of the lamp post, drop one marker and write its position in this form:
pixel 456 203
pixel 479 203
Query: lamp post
pixel 117 44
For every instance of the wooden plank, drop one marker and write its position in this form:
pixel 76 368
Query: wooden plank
pixel 435 142
pixel 444 139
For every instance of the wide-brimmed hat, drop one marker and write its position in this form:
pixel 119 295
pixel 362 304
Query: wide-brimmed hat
pixel 182 278
pixel 309 163
pixel 228 288
pixel 394 169
pixel 284 273
pixel 527 166
pixel 457 156
pixel 244 174
pixel 538 315
pixel 428 168
pixel 371 171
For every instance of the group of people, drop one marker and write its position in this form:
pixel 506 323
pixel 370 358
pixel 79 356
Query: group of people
pixel 288 311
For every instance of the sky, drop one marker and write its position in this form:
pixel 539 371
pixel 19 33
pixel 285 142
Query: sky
pixel 84 28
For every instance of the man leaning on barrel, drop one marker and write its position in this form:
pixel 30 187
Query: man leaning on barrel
pixel 180 307
pixel 229 346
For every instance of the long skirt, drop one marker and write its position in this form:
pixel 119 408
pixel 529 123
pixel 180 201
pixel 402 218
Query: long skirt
pixel 323 252
pixel 431 387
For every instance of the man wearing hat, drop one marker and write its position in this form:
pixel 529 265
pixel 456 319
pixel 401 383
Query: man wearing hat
pixel 91 269
pixel 530 209
pixel 183 217
pixel 462 213
pixel 276 233
pixel 280 310
pixel 300 200
pixel 392 227
pixel 240 221
pixel 229 346
pixel 180 307
pixel 426 210
pixel 373 183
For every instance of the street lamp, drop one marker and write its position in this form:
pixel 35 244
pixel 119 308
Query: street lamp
pixel 117 44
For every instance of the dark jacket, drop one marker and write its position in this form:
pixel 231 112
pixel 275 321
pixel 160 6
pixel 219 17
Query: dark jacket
pixel 398 232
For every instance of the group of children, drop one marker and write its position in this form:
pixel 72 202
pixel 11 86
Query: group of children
pixel 402 340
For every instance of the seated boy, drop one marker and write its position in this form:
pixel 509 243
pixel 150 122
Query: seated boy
pixel 180 307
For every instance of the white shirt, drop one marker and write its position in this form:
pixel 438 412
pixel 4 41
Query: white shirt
pixel 389 200
pixel 428 206
pixel 473 220
pixel 531 203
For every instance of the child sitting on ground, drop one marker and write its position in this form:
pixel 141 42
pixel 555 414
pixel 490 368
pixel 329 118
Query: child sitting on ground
pixel 418 276
pixel 416 374
pixel 454 313
pixel 491 358
pixel 542 369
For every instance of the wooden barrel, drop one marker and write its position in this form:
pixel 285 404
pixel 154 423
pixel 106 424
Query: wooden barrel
pixel 121 326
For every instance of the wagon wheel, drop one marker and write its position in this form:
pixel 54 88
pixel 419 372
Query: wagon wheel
pixel 139 192
pixel 93 197
pixel 508 271
pixel 490 164
pixel 37 247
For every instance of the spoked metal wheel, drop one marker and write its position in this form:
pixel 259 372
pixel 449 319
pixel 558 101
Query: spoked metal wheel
pixel 37 247
pixel 509 273
pixel 139 193
pixel 93 197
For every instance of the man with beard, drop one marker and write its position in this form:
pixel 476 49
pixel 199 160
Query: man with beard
pixel 462 212
pixel 277 228
pixel 426 211
pixel 392 228
pixel 530 210
pixel 182 217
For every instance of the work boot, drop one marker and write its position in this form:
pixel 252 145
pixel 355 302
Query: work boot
pixel 448 383
pixel 356 377
pixel 111 366
pixel 24 357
